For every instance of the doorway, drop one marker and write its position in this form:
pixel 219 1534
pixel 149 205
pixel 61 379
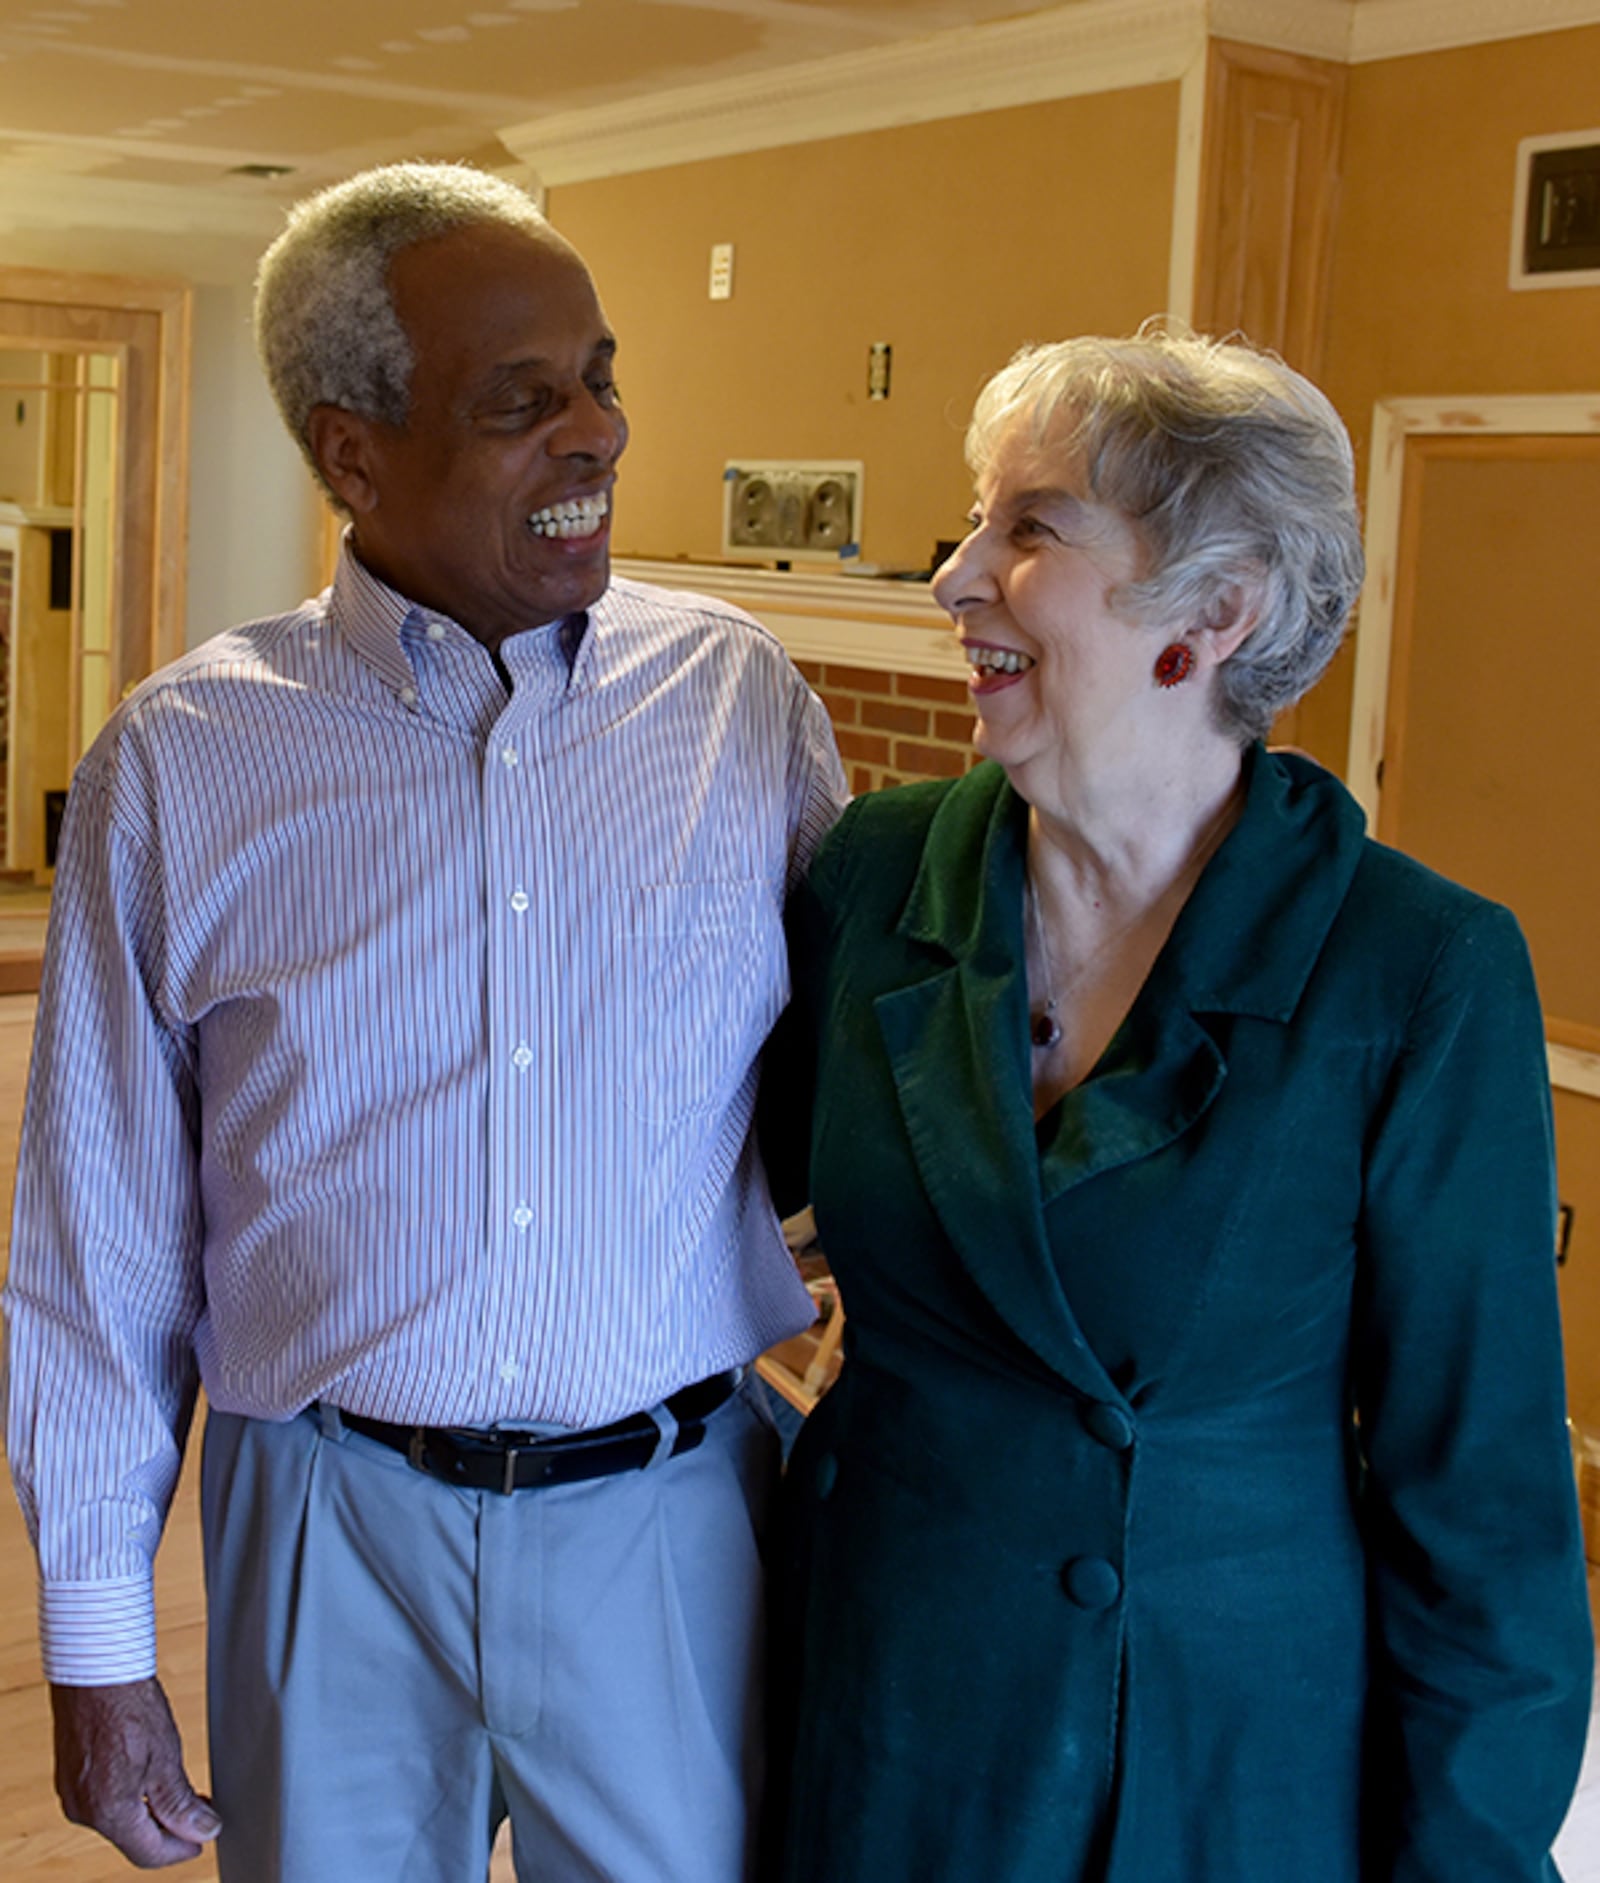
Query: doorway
pixel 99 365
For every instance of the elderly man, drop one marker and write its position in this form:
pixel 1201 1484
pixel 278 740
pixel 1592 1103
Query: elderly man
pixel 411 958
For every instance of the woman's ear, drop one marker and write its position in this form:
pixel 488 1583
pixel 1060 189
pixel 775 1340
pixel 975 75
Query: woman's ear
pixel 1230 616
pixel 342 444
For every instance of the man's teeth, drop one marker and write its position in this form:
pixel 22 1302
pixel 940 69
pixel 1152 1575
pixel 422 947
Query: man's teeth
pixel 578 516
pixel 997 660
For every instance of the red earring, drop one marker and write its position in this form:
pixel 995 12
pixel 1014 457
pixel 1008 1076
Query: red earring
pixel 1174 664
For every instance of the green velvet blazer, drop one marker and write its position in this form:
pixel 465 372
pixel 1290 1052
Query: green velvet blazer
pixel 1304 1601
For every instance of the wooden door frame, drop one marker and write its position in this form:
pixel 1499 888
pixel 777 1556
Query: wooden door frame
pixel 80 297
pixel 1382 624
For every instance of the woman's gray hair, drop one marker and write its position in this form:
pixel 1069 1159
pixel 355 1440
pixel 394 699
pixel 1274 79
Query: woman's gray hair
pixel 326 326
pixel 1236 470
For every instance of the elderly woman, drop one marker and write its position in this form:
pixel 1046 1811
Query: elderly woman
pixel 1195 1504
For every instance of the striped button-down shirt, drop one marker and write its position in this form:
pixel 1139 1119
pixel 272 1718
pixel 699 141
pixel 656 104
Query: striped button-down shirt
pixel 397 1047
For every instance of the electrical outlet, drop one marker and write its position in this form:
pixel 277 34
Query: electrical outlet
pixel 782 510
pixel 722 271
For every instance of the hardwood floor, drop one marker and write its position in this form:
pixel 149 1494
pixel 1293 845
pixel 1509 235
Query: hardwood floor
pixel 36 1842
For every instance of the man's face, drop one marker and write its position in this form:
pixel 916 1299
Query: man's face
pixel 493 503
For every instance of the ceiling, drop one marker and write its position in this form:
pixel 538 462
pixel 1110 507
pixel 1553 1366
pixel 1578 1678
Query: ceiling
pixel 229 108
pixel 190 93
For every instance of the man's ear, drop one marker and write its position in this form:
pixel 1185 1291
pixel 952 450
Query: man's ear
pixel 343 445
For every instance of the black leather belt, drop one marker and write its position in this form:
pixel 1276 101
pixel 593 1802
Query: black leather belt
pixel 497 1460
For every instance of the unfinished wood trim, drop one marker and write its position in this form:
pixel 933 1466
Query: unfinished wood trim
pixel 1572 1070
pixel 1408 543
pixel 1514 421
pixel 1268 194
pixel 153 317
pixel 1405 434
pixel 1578 1034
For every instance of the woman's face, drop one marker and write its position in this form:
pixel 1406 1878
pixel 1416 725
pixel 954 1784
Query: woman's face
pixel 1057 671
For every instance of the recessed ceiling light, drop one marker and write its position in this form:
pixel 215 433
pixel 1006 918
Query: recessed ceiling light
pixel 444 35
pixel 357 65
pixel 397 45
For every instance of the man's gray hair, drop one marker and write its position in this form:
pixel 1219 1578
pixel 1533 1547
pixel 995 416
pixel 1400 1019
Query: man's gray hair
pixel 326 326
pixel 1237 472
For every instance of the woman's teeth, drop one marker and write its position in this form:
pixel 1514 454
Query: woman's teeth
pixel 997 660
pixel 578 516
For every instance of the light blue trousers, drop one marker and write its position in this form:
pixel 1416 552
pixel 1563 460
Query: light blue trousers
pixel 396 1665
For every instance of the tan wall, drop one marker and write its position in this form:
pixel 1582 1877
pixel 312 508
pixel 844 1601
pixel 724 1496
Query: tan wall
pixel 1420 300
pixel 1421 306
pixel 955 242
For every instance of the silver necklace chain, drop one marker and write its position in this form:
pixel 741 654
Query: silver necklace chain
pixel 1045 1028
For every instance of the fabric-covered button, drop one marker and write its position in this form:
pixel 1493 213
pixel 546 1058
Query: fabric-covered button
pixel 1091 1582
pixel 1108 1425
pixel 825 1476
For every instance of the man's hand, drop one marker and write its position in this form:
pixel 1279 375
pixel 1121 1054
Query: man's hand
pixel 119 1770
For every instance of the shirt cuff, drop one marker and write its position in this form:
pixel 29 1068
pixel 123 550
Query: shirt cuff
pixel 97 1634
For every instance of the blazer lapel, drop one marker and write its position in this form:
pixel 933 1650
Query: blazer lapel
pixel 957 1046
pixel 957 1039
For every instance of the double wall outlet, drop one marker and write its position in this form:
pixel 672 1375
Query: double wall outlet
pixel 791 510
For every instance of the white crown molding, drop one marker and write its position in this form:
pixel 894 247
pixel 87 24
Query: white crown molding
pixel 1318 29
pixel 1093 46
pixel 1088 46
pixel 40 200
pixel 1393 29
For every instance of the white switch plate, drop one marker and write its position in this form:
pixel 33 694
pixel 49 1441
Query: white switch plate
pixel 722 271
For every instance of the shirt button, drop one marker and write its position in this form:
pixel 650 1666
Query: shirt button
pixel 522 1058
pixel 1091 1582
pixel 522 1216
pixel 508 756
pixel 1108 1425
pixel 408 696
pixel 437 630
pixel 519 900
pixel 509 1369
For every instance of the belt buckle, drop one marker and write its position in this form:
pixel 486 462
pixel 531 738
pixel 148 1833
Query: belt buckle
pixel 417 1450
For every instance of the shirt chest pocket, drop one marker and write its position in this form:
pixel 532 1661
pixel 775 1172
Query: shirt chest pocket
pixel 702 975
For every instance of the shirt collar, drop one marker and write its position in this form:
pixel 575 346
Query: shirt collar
pixel 375 618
